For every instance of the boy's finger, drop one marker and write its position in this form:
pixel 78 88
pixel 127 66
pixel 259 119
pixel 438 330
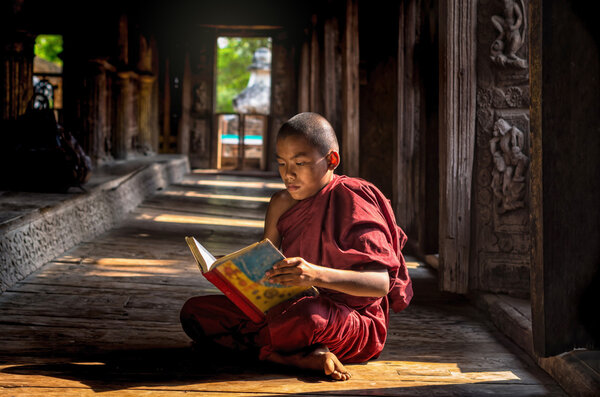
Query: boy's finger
pixel 287 262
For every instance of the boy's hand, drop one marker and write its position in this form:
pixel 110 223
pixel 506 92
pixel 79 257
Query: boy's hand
pixel 294 272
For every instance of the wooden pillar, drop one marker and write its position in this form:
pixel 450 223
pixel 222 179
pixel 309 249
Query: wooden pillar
pixel 145 118
pixel 126 117
pixel 283 85
pixel 203 137
pixel 314 93
pixel 183 129
pixel 17 73
pixel 406 185
pixel 145 94
pixel 303 79
pixel 350 85
pixel 565 164
pixel 457 137
pixel 94 111
pixel 332 73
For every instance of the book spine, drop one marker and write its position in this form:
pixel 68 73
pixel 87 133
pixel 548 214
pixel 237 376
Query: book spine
pixel 235 296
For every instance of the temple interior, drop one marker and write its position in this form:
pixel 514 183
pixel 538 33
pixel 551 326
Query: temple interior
pixel 128 125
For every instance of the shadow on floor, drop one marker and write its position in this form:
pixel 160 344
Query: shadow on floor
pixel 172 367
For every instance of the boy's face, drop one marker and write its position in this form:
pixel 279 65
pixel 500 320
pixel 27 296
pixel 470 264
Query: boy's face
pixel 302 168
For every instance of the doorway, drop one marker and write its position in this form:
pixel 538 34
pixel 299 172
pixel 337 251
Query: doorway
pixel 243 92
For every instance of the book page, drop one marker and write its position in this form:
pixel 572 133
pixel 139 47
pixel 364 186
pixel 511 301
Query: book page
pixel 207 257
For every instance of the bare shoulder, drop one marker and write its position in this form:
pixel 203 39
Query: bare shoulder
pixel 280 203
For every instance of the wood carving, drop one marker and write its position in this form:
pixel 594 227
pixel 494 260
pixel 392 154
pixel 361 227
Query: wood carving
pixel 511 37
pixel 510 164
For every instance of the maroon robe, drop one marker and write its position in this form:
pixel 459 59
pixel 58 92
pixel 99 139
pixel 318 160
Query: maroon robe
pixel 349 224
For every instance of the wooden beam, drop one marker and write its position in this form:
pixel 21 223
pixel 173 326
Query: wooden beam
pixel 457 136
pixel 350 86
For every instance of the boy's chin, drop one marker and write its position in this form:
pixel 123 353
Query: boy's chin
pixel 299 195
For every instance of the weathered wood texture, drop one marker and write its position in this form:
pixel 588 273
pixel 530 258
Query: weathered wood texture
pixel 103 318
pixel 565 165
pixel 16 57
pixel 407 184
pixel 378 80
pixel 350 92
pixel 457 137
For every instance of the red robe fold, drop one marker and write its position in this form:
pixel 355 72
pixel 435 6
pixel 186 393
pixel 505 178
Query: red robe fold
pixel 349 224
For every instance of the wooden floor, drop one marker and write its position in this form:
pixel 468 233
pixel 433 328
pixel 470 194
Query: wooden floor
pixel 103 318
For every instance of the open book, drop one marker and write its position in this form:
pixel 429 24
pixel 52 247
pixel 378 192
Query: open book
pixel 241 276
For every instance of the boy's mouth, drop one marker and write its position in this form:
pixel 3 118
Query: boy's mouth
pixel 292 188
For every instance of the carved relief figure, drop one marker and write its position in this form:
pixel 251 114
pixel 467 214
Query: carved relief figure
pixel 511 36
pixel 510 164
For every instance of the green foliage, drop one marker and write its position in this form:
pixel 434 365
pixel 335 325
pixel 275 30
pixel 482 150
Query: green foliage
pixel 49 47
pixel 233 58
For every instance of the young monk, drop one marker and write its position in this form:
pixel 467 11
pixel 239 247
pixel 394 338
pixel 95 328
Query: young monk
pixel 339 235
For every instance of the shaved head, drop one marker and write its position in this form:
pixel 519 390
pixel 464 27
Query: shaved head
pixel 314 128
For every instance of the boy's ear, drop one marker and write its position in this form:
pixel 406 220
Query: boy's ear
pixel 333 160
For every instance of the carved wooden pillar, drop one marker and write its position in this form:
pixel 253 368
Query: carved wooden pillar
pixel 457 138
pixel 17 74
pixel 501 210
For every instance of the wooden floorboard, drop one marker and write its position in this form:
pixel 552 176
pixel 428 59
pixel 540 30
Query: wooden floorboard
pixel 103 318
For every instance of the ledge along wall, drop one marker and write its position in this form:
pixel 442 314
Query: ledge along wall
pixel 28 242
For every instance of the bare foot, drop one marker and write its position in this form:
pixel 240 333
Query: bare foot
pixel 319 359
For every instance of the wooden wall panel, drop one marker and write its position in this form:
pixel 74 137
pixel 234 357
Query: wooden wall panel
pixel 565 128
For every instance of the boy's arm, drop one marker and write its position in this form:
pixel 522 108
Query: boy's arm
pixel 372 282
pixel 280 203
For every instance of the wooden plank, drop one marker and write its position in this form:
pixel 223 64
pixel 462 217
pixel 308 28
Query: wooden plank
pixel 457 138
pixel 350 89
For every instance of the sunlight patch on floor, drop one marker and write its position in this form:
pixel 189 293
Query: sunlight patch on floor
pixel 204 220
pixel 413 264
pixel 218 196
pixel 243 184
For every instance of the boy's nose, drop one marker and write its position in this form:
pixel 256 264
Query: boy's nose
pixel 289 172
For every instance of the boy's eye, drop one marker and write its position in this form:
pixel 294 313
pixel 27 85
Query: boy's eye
pixel 280 164
pixel 301 163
